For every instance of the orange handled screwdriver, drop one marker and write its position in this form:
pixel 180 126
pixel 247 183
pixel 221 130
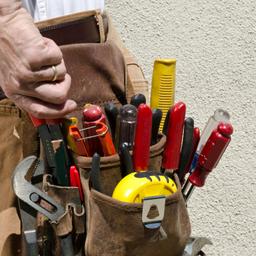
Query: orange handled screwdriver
pixel 105 139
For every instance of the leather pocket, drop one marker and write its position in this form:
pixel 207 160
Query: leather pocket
pixel 71 225
pixel 115 228
pixel 98 73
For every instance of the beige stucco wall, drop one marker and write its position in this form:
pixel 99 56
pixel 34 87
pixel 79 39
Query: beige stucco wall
pixel 214 43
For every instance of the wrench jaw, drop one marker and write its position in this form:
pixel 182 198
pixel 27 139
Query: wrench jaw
pixel 32 200
pixel 33 196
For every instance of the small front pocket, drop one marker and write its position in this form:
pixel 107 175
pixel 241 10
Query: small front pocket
pixel 115 228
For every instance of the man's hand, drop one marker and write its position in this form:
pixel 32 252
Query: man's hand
pixel 26 67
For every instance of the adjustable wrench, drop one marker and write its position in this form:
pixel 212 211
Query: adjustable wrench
pixel 29 201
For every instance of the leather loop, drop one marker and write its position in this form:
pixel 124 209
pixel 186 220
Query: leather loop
pixel 100 24
pixel 10 224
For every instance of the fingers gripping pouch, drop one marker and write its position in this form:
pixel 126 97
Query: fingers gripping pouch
pixel 115 228
pixel 94 62
pixel 97 72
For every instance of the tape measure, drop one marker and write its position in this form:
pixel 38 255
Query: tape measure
pixel 136 186
pixel 163 86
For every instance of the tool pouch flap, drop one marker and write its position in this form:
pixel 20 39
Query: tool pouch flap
pixel 95 63
pixel 97 72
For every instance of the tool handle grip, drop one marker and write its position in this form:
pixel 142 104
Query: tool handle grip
pixel 138 99
pixel 156 119
pixel 211 154
pixel 105 139
pixel 171 154
pixel 36 121
pixel 126 160
pixel 141 148
pixel 186 147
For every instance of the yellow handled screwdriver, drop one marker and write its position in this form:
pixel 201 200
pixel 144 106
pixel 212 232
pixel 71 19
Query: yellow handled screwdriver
pixel 163 86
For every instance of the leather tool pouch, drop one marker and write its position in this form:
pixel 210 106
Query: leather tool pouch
pixel 116 228
pixel 103 70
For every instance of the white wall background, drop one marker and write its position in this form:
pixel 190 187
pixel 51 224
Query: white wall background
pixel 214 43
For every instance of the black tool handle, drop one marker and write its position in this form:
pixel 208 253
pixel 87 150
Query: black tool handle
pixel 138 99
pixel 111 112
pixel 126 159
pixel 95 172
pixel 187 147
pixel 166 121
pixel 66 244
pixel 156 119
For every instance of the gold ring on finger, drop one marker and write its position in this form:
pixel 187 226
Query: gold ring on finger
pixel 55 73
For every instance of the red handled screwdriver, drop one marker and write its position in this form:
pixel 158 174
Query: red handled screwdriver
pixel 171 154
pixel 75 181
pixel 142 141
pixel 92 115
pixel 208 158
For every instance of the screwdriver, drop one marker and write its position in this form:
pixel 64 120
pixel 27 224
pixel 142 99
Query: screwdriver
pixel 156 119
pixel 126 160
pixel 95 172
pixel 186 149
pixel 75 180
pixel 219 115
pixel 171 154
pixel 127 123
pixel 92 114
pixel 105 139
pixel 141 147
pixel 138 99
pixel 209 157
pixel 165 126
pixel 196 138
pixel 111 114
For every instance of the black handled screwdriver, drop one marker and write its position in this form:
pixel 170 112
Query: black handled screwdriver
pixel 166 121
pixel 111 112
pixel 126 159
pixel 186 149
pixel 95 172
pixel 156 119
pixel 138 99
